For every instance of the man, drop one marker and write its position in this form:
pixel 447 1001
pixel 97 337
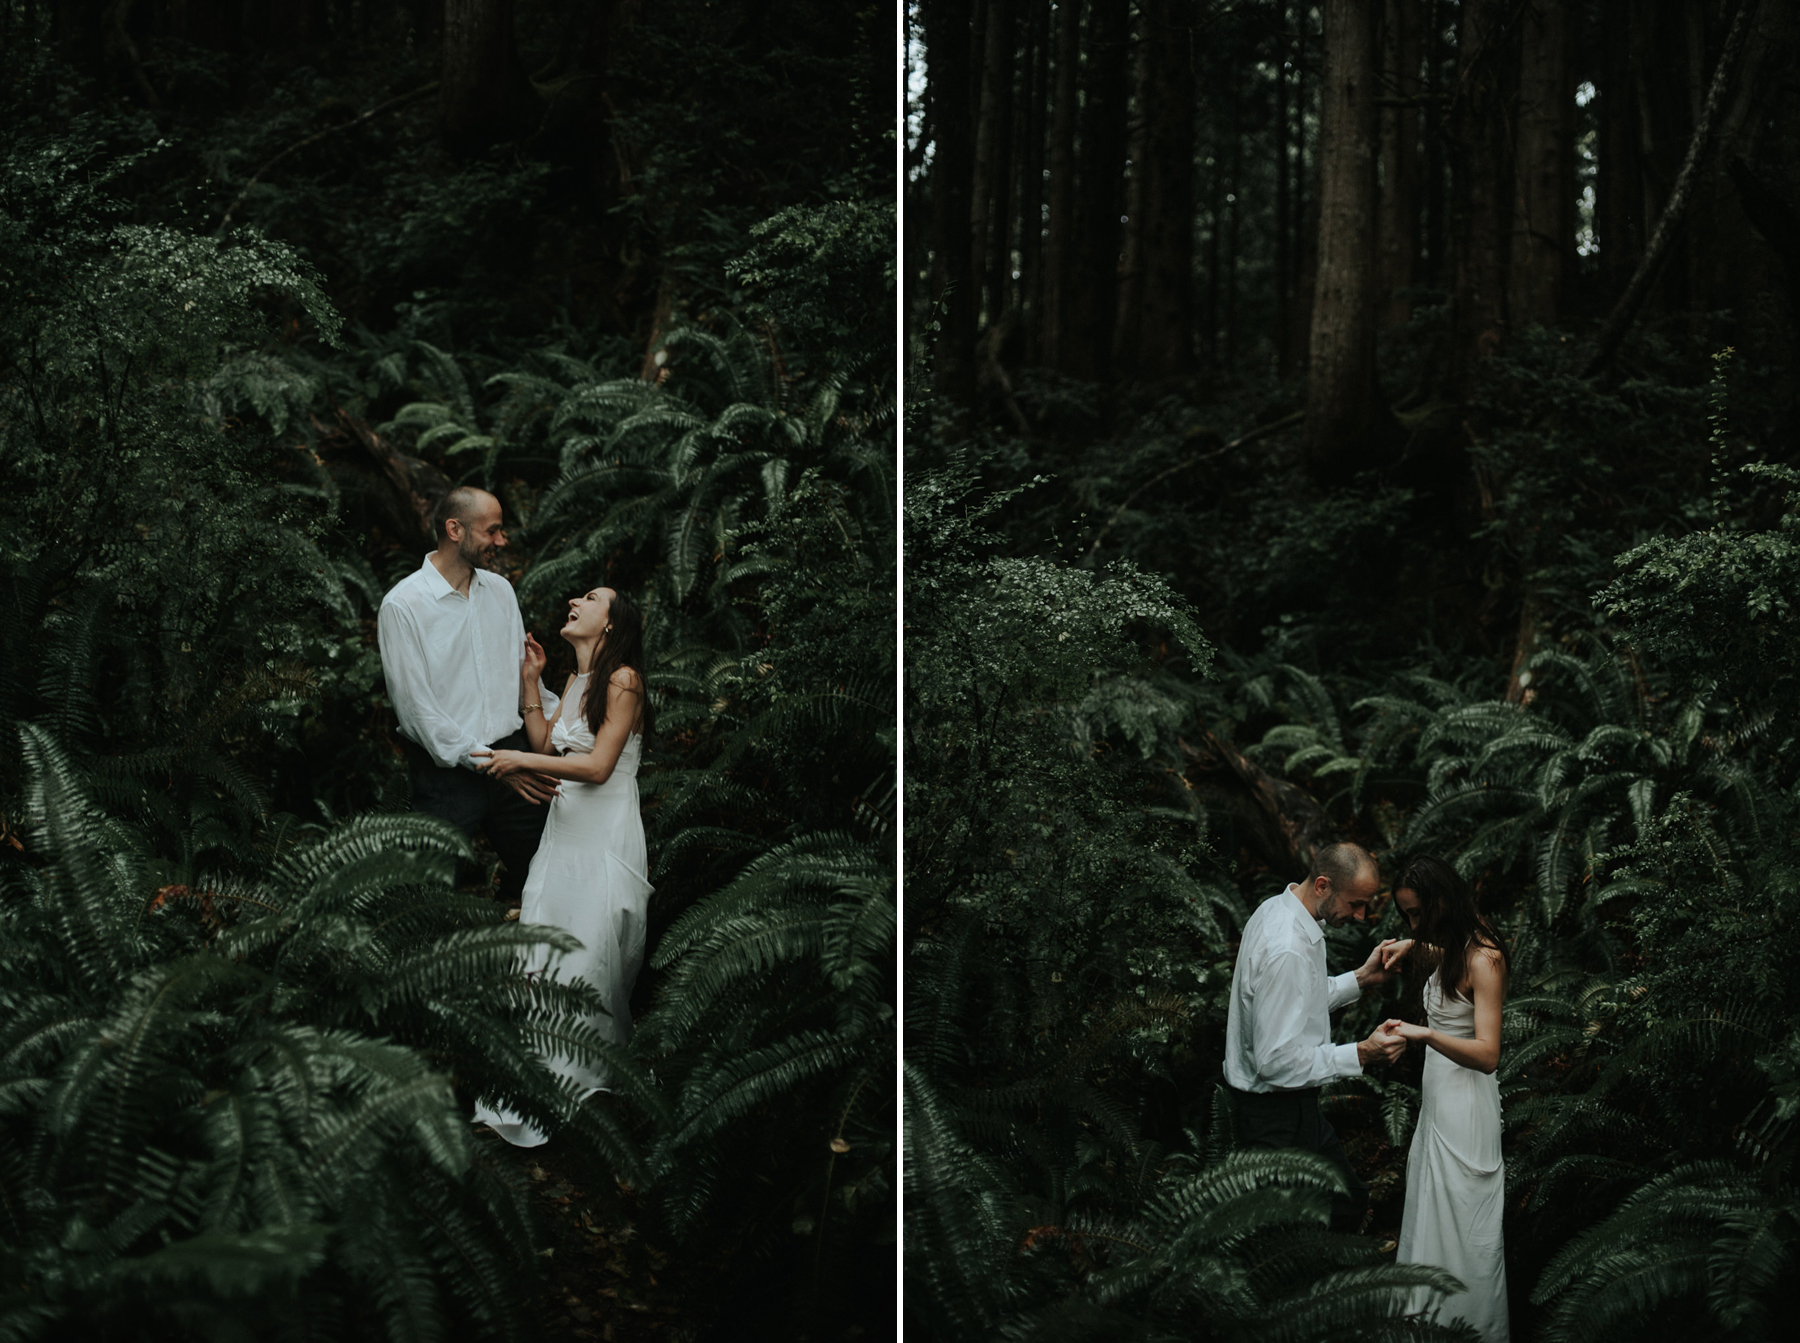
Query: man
pixel 1278 1049
pixel 451 647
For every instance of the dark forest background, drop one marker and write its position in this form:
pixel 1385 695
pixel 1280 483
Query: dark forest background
pixel 273 276
pixel 1360 420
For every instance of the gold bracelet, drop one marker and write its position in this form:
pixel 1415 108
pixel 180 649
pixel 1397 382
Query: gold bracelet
pixel 529 707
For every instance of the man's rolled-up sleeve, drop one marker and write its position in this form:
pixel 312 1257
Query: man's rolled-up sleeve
pixel 403 664
pixel 1342 990
pixel 1284 1057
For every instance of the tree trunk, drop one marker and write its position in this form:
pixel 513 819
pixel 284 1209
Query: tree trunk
pixel 1306 206
pixel 990 249
pixel 952 173
pixel 1340 383
pixel 1478 313
pixel 1399 223
pixel 1031 185
pixel 1626 309
pixel 1542 236
pixel 1166 346
pixel 1618 196
pixel 1086 345
pixel 1059 242
pixel 484 96
pixel 1436 231
pixel 1284 250
pixel 1127 322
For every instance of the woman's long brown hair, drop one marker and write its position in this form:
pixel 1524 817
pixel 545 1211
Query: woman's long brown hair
pixel 1449 920
pixel 622 646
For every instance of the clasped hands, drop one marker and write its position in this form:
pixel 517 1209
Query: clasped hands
pixel 509 766
pixel 1388 1040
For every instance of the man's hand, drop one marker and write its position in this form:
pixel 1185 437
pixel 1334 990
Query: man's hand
pixel 1406 1030
pixel 536 789
pixel 1379 968
pixel 1379 1046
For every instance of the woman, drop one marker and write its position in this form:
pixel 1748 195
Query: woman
pixel 1455 1179
pixel 589 875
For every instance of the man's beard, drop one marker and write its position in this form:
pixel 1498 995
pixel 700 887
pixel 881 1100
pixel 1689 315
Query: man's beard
pixel 476 556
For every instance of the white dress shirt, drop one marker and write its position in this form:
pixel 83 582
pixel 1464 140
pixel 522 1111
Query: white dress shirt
pixel 452 662
pixel 1278 1029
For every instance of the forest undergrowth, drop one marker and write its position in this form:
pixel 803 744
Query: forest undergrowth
pixel 249 998
pixel 1550 650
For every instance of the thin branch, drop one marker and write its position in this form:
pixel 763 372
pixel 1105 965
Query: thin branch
pixel 320 135
pixel 1613 334
pixel 1242 440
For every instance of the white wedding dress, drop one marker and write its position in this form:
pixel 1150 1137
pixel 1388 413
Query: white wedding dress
pixel 1455 1179
pixel 589 877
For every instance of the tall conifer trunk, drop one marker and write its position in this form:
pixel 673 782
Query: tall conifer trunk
pixel 1542 237
pixel 952 180
pixel 1165 347
pixel 1478 312
pixel 1399 220
pixel 1085 346
pixel 1031 186
pixel 990 250
pixel 1059 241
pixel 1340 385
pixel 1128 324
pixel 484 95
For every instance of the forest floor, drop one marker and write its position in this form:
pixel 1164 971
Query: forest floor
pixel 604 1279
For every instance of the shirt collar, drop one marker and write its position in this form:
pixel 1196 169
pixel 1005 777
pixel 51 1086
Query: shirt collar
pixel 441 586
pixel 1304 917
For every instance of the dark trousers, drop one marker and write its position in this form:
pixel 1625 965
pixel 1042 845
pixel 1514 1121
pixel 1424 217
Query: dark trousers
pixel 471 801
pixel 1286 1119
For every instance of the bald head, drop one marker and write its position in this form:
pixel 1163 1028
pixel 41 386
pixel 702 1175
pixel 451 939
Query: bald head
pixel 1342 882
pixel 459 505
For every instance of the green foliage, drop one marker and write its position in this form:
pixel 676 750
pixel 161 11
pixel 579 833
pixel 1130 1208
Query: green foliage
pixel 1067 937
pixel 237 1085
pixel 234 1096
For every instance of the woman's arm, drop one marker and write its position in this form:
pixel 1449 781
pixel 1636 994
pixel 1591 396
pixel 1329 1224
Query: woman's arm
pixel 537 726
pixel 624 694
pixel 1487 985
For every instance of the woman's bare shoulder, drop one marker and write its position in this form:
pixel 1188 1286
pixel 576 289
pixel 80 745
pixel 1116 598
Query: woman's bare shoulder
pixel 627 679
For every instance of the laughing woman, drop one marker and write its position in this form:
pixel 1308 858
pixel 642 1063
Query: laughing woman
pixel 590 874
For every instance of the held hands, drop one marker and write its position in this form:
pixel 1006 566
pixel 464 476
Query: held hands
pixel 1405 1030
pixel 1382 1044
pixel 1383 962
pixel 536 789
pixel 509 766
pixel 497 763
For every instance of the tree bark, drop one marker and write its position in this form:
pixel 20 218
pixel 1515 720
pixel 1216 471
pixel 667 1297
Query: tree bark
pixel 1059 243
pixel 1340 384
pixel 484 96
pixel 952 181
pixel 1542 236
pixel 1166 345
pixel 1086 345
pixel 1306 205
pixel 1031 185
pixel 1436 232
pixel 1128 321
pixel 1284 249
pixel 1478 302
pixel 990 249
pixel 1618 195
pixel 1399 221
